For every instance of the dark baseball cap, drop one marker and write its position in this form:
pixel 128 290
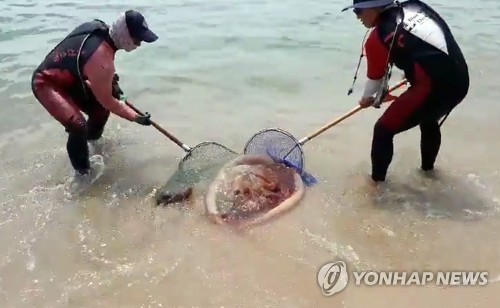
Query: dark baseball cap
pixel 368 4
pixel 138 28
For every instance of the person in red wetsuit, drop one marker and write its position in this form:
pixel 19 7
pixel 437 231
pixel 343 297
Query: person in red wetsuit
pixel 78 75
pixel 413 37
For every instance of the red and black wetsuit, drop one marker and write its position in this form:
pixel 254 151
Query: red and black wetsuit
pixel 59 84
pixel 439 82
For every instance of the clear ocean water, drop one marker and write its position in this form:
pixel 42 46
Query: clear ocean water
pixel 221 71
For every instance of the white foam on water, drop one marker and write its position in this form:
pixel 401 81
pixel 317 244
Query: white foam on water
pixel 345 252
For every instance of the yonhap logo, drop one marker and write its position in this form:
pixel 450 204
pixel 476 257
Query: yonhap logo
pixel 333 277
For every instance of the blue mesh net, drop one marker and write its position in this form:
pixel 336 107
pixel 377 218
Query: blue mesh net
pixel 282 147
pixel 278 144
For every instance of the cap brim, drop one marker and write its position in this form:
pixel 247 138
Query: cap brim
pixel 369 4
pixel 347 8
pixel 149 36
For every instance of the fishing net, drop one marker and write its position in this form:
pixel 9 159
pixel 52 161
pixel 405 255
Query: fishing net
pixel 200 165
pixel 283 148
pixel 243 189
pixel 205 155
pixel 278 144
pixel 202 162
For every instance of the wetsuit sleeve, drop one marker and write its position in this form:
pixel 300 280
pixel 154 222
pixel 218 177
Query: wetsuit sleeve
pixel 100 69
pixel 376 58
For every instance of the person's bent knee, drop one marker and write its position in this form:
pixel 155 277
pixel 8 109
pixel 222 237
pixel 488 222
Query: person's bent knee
pixel 96 123
pixel 76 126
pixel 429 126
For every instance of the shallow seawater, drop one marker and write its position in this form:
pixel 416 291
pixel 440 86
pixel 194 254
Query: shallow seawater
pixel 222 71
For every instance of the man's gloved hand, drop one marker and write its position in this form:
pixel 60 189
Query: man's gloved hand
pixel 143 119
pixel 366 102
pixel 116 90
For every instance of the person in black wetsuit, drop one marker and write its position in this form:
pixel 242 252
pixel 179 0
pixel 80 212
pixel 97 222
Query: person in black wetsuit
pixel 416 39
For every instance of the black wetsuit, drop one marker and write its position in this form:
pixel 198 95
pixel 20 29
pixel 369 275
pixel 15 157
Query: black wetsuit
pixel 439 82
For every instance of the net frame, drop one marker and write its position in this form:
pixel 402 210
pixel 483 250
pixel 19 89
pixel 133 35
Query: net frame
pixel 298 164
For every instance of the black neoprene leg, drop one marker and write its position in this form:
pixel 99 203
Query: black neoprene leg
pixel 77 147
pixel 430 143
pixel 382 151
